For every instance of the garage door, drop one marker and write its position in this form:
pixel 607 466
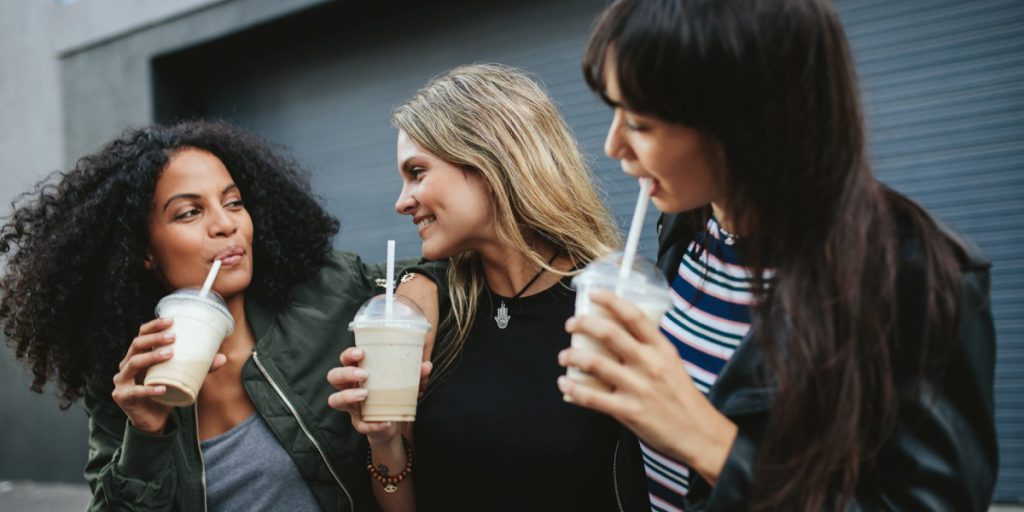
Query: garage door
pixel 943 90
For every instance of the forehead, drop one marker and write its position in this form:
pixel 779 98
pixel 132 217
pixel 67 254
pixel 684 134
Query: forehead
pixel 408 148
pixel 192 171
pixel 609 74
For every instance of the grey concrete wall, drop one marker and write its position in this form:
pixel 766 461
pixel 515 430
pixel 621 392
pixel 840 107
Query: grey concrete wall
pixel 89 58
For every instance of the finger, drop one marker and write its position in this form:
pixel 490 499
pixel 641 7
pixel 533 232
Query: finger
pixel 346 377
pixel 155 325
pixel 352 356
pixel 145 343
pixel 608 334
pixel 425 368
pixel 373 427
pixel 347 400
pixel 615 405
pixel 219 361
pixel 630 317
pixel 611 372
pixel 130 393
pixel 139 362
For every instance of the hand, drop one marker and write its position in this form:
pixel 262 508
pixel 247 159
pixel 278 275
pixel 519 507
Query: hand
pixel 651 392
pixel 134 397
pixel 347 380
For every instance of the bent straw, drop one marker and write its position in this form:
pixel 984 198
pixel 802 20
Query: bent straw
pixel 209 279
pixel 389 293
pixel 633 239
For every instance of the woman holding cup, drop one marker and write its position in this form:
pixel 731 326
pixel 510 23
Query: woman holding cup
pixel 497 188
pixel 91 253
pixel 837 347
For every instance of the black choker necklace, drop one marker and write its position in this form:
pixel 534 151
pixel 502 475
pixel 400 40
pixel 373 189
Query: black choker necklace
pixel 503 317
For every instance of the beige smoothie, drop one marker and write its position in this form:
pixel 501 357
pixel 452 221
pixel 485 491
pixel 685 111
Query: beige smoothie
pixel 200 325
pixel 645 287
pixel 393 348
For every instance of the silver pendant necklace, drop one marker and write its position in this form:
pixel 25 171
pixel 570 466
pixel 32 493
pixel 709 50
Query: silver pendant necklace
pixel 503 317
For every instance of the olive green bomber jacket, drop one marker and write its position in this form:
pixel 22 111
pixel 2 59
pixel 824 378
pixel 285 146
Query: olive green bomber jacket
pixel 286 380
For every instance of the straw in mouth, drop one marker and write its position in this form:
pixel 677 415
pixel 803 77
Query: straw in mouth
pixel 633 239
pixel 208 284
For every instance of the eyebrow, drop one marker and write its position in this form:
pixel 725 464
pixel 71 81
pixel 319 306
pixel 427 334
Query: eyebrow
pixel 175 197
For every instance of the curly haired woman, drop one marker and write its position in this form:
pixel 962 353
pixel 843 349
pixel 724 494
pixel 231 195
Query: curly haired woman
pixel 92 250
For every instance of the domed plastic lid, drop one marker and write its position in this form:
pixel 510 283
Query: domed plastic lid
pixel 644 279
pixel 212 301
pixel 405 314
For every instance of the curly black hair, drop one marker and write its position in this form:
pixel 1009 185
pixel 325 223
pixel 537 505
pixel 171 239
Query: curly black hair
pixel 76 291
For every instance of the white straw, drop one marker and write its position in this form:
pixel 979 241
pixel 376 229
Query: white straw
pixel 633 239
pixel 389 294
pixel 209 279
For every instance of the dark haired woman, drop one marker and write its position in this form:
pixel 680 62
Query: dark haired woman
pixel 94 249
pixel 837 347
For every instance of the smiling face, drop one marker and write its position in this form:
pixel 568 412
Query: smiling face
pixel 450 206
pixel 673 155
pixel 197 217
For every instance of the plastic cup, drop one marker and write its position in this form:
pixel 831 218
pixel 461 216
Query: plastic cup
pixel 645 287
pixel 393 349
pixel 200 325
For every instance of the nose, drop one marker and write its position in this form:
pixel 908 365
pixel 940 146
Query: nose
pixel 221 223
pixel 406 203
pixel 615 145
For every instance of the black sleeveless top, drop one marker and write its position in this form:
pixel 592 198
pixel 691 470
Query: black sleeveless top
pixel 493 433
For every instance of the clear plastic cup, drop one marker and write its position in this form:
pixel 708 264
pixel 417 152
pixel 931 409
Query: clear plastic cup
pixel 200 325
pixel 645 287
pixel 393 349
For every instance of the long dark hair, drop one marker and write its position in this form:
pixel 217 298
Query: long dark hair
pixel 76 291
pixel 771 84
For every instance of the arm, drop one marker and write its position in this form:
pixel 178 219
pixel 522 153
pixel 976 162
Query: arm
pixel 127 469
pixel 387 450
pixel 942 454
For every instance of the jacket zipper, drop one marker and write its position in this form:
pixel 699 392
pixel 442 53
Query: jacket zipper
pixel 615 475
pixel 199 448
pixel 302 425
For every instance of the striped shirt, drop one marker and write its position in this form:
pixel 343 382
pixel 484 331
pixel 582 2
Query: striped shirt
pixel 709 317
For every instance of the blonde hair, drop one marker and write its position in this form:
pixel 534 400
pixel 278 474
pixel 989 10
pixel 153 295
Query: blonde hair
pixel 496 121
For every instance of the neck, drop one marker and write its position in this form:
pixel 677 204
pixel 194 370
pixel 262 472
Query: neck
pixel 240 343
pixel 507 270
pixel 724 219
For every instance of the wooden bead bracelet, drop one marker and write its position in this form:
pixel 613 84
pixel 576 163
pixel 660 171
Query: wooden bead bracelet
pixel 390 483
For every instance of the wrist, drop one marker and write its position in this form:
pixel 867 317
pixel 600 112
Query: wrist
pixel 712 453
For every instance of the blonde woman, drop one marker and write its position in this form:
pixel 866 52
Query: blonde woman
pixel 495 184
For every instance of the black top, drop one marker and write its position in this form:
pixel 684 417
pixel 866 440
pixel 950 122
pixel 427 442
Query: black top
pixel 494 434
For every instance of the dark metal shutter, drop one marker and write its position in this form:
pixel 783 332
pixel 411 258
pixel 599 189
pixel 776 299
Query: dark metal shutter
pixel 943 85
pixel 330 102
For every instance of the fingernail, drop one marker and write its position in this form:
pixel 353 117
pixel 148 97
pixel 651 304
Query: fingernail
pixel 357 352
pixel 361 393
pixel 360 373
pixel 165 352
pixel 430 366
pixel 168 335
pixel 563 382
pixel 167 320
pixel 159 390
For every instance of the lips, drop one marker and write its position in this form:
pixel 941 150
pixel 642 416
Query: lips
pixel 422 222
pixel 230 256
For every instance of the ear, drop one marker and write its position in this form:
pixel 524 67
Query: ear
pixel 148 262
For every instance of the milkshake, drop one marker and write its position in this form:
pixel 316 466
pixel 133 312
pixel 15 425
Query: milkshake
pixel 200 325
pixel 393 348
pixel 645 287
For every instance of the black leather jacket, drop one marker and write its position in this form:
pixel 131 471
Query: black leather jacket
pixel 942 455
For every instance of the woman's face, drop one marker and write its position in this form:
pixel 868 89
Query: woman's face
pixel 198 217
pixel 671 154
pixel 450 206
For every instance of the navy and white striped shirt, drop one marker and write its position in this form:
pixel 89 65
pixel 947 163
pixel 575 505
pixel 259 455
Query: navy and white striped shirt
pixel 709 317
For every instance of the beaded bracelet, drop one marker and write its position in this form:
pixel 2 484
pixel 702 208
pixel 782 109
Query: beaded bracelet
pixel 390 483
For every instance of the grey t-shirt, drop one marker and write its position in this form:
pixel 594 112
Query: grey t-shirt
pixel 247 469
